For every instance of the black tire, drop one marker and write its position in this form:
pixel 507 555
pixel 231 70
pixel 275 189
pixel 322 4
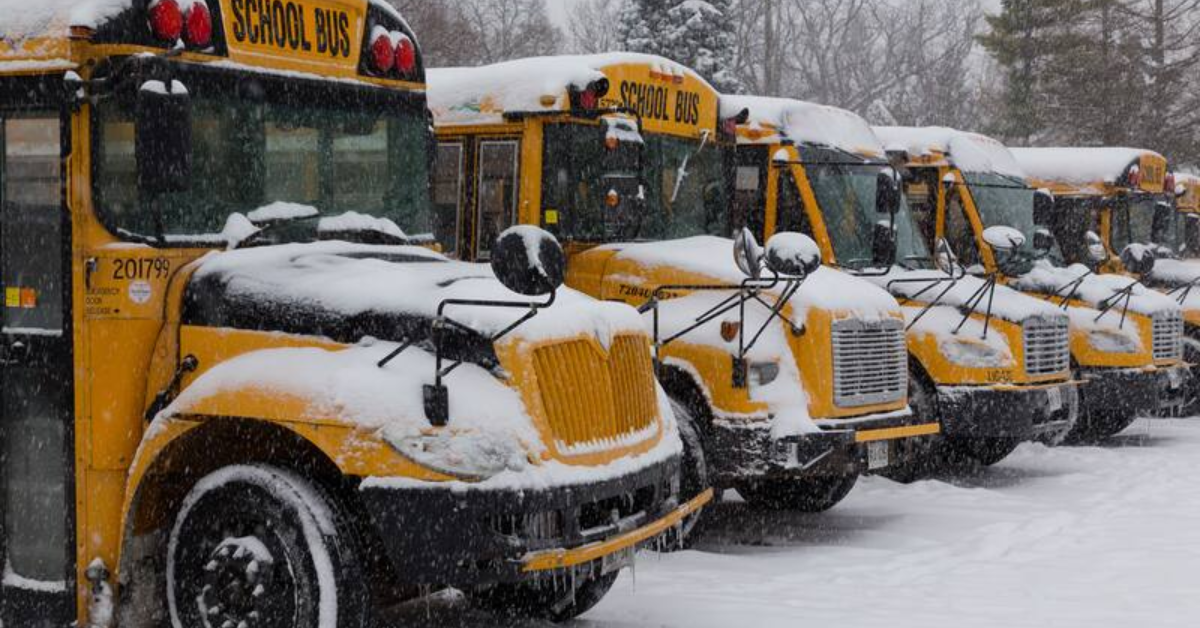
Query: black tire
pixel 548 600
pixel 985 451
pixel 922 400
pixel 261 545
pixel 815 494
pixel 693 479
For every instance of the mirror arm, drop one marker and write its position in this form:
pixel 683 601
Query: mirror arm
pixel 987 289
pixel 776 312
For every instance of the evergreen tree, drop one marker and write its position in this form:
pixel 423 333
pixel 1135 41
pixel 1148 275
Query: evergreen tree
pixel 695 33
pixel 642 24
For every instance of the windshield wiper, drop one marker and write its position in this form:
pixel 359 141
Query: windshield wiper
pixel 270 226
pixel 1124 295
pixel 930 282
pixel 682 172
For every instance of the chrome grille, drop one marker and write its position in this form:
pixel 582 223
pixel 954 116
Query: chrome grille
pixel 1168 336
pixel 870 362
pixel 1047 346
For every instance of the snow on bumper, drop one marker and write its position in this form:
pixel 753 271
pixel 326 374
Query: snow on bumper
pixel 1133 392
pixel 742 449
pixel 467 537
pixel 1026 412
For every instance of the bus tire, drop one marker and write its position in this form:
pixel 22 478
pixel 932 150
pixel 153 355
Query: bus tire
pixel 258 544
pixel 812 494
pixel 551 600
pixel 693 480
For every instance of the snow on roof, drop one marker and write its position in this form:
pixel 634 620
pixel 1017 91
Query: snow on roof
pixel 353 279
pixel 22 19
pixel 969 152
pixel 712 256
pixel 804 122
pixel 1079 165
pixel 482 95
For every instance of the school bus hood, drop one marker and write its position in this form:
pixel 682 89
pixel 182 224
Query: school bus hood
pixel 922 286
pixel 1094 289
pixel 644 266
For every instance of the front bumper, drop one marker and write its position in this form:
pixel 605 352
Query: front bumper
pixel 1133 392
pixel 1012 412
pixel 472 537
pixel 743 449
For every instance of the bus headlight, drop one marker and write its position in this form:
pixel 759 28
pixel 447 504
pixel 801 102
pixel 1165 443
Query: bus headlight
pixel 975 353
pixel 1113 341
pixel 469 455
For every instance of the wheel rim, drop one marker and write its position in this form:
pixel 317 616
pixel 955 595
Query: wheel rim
pixel 233 576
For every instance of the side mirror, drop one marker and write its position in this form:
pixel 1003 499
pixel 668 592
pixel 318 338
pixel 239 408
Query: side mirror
pixel 528 261
pixel 1043 208
pixel 163 137
pixel 887 192
pixel 1043 240
pixel 793 254
pixel 747 254
pixel 1138 259
pixel 1003 238
pixel 944 257
pixel 1095 247
pixel 883 244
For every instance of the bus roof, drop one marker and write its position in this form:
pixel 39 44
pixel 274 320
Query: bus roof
pixel 965 150
pixel 489 94
pixel 1090 170
pixel 774 119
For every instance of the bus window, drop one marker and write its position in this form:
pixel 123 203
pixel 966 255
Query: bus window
pixel 959 232
pixel 699 203
pixel 749 198
pixel 447 195
pixel 792 215
pixel 497 192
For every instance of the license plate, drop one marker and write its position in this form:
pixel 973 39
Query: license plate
pixel 1175 377
pixel 877 454
pixel 1054 399
pixel 617 560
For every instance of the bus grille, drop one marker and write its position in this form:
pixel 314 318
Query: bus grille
pixel 593 401
pixel 1047 346
pixel 1168 336
pixel 870 362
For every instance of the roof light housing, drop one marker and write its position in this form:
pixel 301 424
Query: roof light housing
pixel 165 19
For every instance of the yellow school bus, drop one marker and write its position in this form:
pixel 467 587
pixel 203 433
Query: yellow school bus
pixel 1120 202
pixel 236 392
pixel 969 190
pixel 625 159
pixel 988 363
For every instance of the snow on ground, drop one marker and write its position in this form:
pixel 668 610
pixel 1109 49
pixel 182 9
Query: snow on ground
pixel 1074 536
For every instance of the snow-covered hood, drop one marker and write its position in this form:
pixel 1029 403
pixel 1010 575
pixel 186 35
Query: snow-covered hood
pixel 1175 272
pixel 711 258
pixel 350 291
pixel 1047 278
pixel 1007 304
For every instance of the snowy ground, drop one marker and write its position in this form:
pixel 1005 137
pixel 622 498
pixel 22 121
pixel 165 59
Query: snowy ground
pixel 1079 536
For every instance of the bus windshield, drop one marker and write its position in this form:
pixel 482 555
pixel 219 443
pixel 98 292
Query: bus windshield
pixel 846 195
pixel 1144 220
pixel 1003 201
pixel 695 205
pixel 255 142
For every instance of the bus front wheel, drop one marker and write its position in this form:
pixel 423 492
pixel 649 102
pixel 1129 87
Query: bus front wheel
pixel 255 545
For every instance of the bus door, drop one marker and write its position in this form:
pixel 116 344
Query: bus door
pixel 495 192
pixel 36 391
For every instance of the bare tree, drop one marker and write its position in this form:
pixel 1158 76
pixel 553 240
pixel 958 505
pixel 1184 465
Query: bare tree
pixel 510 29
pixel 592 26
pixel 447 39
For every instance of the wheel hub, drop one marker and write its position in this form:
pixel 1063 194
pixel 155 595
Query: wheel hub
pixel 239 585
